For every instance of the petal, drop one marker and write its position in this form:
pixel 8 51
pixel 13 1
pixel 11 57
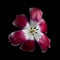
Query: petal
pixel 43 26
pixel 28 46
pixel 38 35
pixel 20 21
pixel 35 14
pixel 17 37
pixel 33 23
pixel 44 43
pixel 28 35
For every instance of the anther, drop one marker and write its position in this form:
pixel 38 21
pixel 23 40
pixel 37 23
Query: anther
pixel 37 29
pixel 34 27
pixel 35 32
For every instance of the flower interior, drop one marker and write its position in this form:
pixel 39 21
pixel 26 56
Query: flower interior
pixel 33 30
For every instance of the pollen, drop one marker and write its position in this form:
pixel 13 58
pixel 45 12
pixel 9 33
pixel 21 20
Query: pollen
pixel 33 30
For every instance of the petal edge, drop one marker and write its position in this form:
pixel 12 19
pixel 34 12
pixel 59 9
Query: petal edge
pixel 43 26
pixel 28 46
pixel 35 14
pixel 44 43
pixel 17 37
pixel 20 21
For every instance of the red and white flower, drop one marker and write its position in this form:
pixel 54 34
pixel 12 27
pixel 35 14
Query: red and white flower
pixel 35 30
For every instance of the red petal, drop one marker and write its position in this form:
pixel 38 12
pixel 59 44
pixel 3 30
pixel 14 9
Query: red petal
pixel 17 37
pixel 28 46
pixel 35 14
pixel 20 21
pixel 43 26
pixel 44 43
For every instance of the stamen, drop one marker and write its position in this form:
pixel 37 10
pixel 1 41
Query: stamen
pixel 35 32
pixel 31 31
pixel 34 27
pixel 37 29
pixel 31 28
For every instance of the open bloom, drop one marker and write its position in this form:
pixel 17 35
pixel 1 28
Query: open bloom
pixel 35 30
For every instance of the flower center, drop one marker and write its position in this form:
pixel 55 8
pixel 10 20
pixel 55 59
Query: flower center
pixel 33 30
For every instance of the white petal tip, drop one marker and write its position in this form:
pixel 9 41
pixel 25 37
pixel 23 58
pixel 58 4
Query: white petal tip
pixel 26 50
pixel 15 44
pixel 20 15
pixel 43 51
pixel 13 23
pixel 30 9
pixel 45 32
pixel 49 46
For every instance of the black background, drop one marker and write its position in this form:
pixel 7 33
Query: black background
pixel 9 9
